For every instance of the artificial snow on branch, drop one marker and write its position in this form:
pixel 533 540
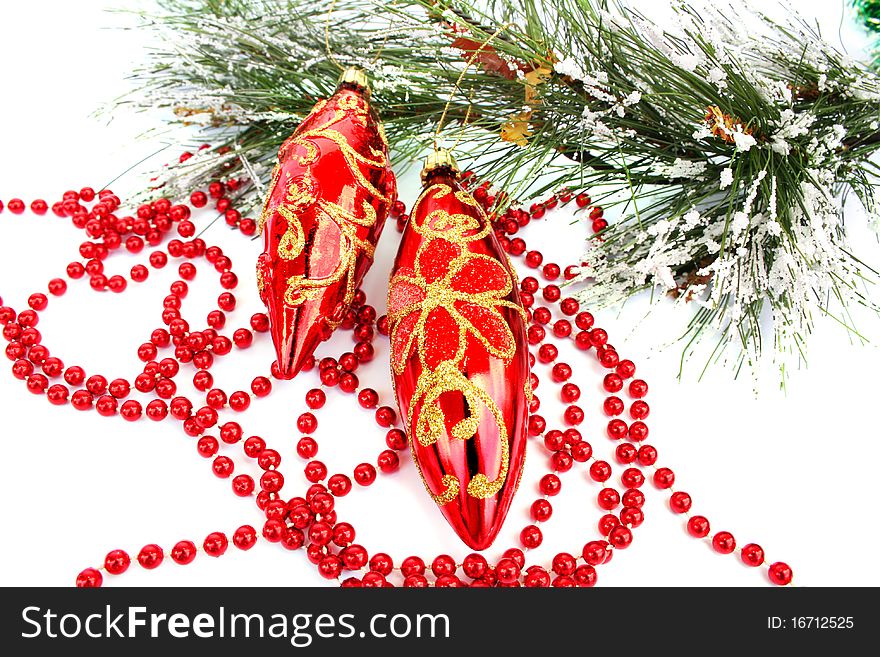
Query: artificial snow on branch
pixel 728 141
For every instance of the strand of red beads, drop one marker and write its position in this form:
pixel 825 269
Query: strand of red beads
pixel 310 520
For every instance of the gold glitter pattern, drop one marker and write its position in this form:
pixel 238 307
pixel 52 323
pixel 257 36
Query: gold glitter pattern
pixel 302 192
pixel 452 293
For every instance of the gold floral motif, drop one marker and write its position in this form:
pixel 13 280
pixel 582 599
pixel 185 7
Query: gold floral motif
pixel 413 298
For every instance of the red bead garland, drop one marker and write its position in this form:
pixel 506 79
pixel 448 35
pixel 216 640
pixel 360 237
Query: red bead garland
pixel 310 521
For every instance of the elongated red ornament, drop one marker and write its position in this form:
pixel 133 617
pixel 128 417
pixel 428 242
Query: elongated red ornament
pixel 459 355
pixel 331 193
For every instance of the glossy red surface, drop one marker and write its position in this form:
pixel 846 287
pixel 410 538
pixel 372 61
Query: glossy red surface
pixel 460 359
pixel 331 193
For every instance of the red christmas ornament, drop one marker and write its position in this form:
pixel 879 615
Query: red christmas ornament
pixel 331 193
pixel 459 356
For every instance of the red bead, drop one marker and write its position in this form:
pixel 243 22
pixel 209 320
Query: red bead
pixel 647 455
pixel 638 388
pixel 723 542
pixel 752 555
pixel 88 578
pixel 608 498
pixel 639 410
pixel 585 576
pixel 307 423
pixel 150 556
pixel 507 571
pixel 617 429
pixel 307 447
pixel 608 522
pixel 381 563
pixel 542 315
pixel 551 272
pixel 680 502
pixel 638 431
pixel 600 471
pixel 261 386
pixel 536 425
pixel 183 552
pixel 564 564
pixel 560 372
pixel 315 471
pixel 698 527
pixel 443 565
pixel 388 461
pixel 215 544
pixel 780 573
pixel 570 393
pixel 245 537
pixel 550 484
pixel 535 334
pixel 119 388
pixel 595 552
pixel 620 537
pixel 625 453
pixel 632 516
pixel 117 562
pixel 315 398
pixel 374 580
pixel 57 394
pixel 414 566
pixel 180 407
pixel 386 416
pixel 271 481
pixel 330 566
pixel 222 466
pixel 239 401
pixel 541 510
pixel 581 451
pixel 552 293
pixel 106 405
pixel 207 446
pixel 57 287
pixel 632 478
pixel 81 400
pixel 364 474
pixel 554 440
pixel 664 478
pixel 38 301
pixel 395 439
pixel 531 537
pixel 613 406
pixel 274 531
pixel 242 338
pixel 339 485
pixel 131 410
pixel 547 353
pixel 573 415
pixel 534 259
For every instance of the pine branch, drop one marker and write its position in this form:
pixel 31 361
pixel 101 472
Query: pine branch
pixel 730 138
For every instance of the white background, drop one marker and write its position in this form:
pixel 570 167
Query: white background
pixel 793 471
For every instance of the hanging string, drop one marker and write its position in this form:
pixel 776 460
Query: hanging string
pixel 457 86
pixel 327 36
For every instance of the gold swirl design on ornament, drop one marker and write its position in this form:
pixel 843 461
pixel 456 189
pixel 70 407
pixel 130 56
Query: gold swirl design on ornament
pixel 301 193
pixel 300 288
pixel 448 375
pixel 450 226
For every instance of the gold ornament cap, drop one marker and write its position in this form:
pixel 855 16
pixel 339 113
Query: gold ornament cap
pixel 440 159
pixel 355 77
